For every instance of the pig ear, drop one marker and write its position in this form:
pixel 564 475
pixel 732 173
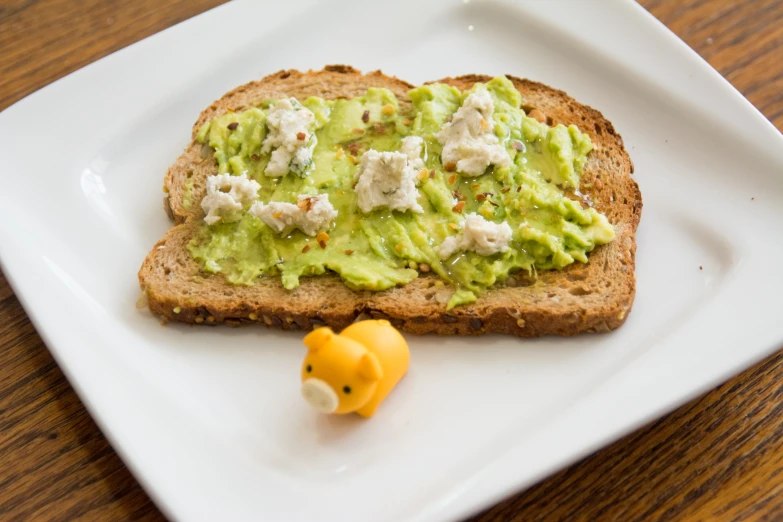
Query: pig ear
pixel 317 338
pixel 369 367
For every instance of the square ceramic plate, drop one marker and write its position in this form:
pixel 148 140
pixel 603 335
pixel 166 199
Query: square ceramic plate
pixel 210 420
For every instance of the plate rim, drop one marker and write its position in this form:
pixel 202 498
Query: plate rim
pixel 154 491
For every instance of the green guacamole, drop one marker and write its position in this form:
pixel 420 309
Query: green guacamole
pixel 386 248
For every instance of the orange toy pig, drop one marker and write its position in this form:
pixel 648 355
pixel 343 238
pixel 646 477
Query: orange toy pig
pixel 355 370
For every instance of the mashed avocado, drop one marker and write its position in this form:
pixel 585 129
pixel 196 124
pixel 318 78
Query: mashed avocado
pixel 387 248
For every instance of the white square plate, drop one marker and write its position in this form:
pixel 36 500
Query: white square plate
pixel 210 420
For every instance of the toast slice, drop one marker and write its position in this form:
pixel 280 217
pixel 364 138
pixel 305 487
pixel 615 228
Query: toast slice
pixel 592 297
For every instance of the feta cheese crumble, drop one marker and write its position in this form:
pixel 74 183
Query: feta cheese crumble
pixel 386 179
pixel 311 214
pixel 227 195
pixel 289 125
pixel 479 235
pixel 412 147
pixel 469 143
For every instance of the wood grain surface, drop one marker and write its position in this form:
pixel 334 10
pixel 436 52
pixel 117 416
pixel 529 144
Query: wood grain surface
pixel 719 457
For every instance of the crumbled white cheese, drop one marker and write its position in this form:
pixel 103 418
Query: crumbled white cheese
pixel 289 125
pixel 469 141
pixel 448 247
pixel 412 147
pixel 385 179
pixel 311 214
pixel 227 195
pixel 479 235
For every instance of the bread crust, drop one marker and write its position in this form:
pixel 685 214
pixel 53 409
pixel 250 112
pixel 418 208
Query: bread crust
pixel 592 297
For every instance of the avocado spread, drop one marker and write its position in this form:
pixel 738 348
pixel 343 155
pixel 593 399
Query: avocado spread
pixel 385 248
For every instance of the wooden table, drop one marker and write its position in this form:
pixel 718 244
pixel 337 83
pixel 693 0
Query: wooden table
pixel 718 457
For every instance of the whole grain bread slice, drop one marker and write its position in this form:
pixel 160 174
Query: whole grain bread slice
pixel 592 297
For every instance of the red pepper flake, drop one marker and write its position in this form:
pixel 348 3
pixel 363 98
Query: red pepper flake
pixel 481 197
pixel 301 136
pixel 493 204
pixel 505 189
pixel 475 186
pixel 458 207
pixel 348 252
pixel 518 146
pixel 459 195
pixel 255 157
pixel 432 174
pixel 519 188
pixel 450 166
pixel 366 116
pixel 305 249
pixel 379 128
pixel 322 238
pixel 353 147
pixel 452 179
pixel 233 125
pixel 305 204
pixel 358 131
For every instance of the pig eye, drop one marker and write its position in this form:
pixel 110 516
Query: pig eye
pixel 309 368
pixel 347 389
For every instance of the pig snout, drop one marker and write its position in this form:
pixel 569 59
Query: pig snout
pixel 320 395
